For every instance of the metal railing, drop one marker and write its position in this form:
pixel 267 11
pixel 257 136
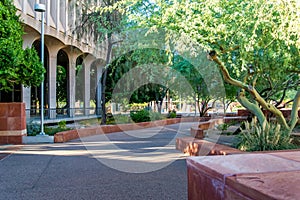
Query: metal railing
pixel 59 113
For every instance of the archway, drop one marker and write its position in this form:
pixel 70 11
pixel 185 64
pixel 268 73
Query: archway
pixel 62 84
pixel 36 91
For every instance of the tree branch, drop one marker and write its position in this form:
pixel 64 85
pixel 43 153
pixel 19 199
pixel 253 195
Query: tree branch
pixel 252 107
pixel 249 89
pixel 283 95
pixel 294 114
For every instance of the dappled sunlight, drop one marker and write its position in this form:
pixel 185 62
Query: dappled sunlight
pixel 47 149
pixel 121 151
pixel 128 153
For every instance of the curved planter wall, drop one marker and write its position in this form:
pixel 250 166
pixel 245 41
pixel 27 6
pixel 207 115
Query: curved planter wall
pixel 12 123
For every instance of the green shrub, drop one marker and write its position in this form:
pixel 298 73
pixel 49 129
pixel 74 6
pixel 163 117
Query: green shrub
pixel 256 138
pixel 33 128
pixel 53 130
pixel 156 116
pixel 140 116
pixel 118 119
pixel 223 127
pixel 172 114
pixel 62 124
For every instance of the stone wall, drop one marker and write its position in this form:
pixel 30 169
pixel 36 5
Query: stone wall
pixel 12 123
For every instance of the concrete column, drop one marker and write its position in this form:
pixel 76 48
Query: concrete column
pixel 66 25
pixel 72 83
pixel 23 7
pixel 52 84
pixel 88 60
pixel 48 13
pixel 26 93
pixel 57 22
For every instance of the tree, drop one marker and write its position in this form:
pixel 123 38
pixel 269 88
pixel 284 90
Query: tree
pixel 201 93
pixel 139 59
pixel 103 24
pixel 252 42
pixel 17 66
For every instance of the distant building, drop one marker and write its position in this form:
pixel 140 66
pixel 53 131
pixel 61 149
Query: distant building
pixel 74 64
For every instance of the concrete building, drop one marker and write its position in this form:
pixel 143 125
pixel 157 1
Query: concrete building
pixel 73 63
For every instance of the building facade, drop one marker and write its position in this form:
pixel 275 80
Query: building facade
pixel 73 63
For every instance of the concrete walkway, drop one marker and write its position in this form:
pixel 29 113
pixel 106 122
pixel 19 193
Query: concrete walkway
pixel 131 165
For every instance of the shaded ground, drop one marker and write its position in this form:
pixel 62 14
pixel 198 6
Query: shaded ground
pixel 87 168
pixel 70 171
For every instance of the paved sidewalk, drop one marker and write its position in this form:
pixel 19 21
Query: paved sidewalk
pixel 75 170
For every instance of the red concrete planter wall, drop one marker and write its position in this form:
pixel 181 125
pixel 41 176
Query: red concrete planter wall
pixel 286 112
pixel 242 112
pixel 12 123
pixel 247 176
pixel 74 134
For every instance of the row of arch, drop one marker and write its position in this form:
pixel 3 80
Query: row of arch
pixel 71 81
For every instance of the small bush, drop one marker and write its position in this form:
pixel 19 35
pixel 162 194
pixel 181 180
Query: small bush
pixel 256 138
pixel 140 116
pixel 172 114
pixel 62 124
pixel 118 119
pixel 223 127
pixel 33 128
pixel 156 116
pixel 53 130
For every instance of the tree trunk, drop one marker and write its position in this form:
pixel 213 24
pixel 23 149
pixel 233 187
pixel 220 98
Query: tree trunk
pixel 294 114
pixel 104 77
pixel 254 108
pixel 159 105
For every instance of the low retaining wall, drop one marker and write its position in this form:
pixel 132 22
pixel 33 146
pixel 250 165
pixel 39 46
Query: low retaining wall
pixel 12 123
pixel 198 132
pixel 249 176
pixel 103 129
pixel 198 147
pixel 195 146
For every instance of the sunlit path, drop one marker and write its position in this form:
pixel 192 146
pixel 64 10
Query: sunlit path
pixel 70 170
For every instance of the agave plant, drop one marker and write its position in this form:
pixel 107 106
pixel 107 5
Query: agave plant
pixel 270 136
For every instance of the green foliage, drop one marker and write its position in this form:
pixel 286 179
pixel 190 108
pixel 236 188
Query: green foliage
pixel 33 128
pixel 145 116
pixel 261 34
pixel 140 116
pixel 172 114
pixel 62 124
pixel 196 81
pixel 17 66
pixel 137 106
pixel 257 138
pixel 140 60
pixel 61 84
pixel 52 130
pixel 223 127
pixel 156 116
pixel 118 119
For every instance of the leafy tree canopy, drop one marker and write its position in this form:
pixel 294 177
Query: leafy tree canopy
pixel 255 43
pixel 17 66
